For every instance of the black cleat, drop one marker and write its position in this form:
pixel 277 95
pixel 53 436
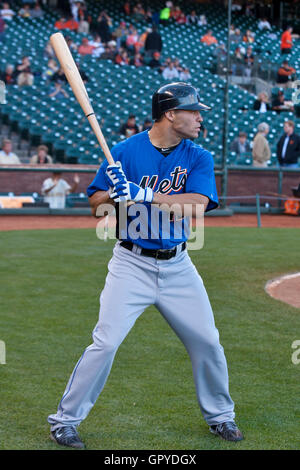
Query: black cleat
pixel 67 436
pixel 228 431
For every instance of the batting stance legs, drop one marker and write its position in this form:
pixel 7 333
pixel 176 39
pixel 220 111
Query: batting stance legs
pixel 133 283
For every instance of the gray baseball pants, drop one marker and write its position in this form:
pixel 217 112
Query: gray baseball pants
pixel 174 286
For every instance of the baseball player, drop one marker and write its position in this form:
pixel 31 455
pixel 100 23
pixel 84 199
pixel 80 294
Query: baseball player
pixel 157 167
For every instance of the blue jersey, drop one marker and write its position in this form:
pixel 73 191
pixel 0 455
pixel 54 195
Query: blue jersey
pixel 187 169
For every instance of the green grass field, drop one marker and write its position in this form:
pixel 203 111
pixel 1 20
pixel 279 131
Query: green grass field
pixel 50 285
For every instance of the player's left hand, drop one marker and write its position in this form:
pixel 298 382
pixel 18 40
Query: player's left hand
pixel 129 191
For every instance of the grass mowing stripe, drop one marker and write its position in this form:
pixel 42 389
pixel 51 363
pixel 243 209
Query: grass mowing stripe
pixel 50 286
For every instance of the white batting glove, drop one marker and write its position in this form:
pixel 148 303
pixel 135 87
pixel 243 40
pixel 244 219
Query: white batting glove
pixel 129 191
pixel 115 174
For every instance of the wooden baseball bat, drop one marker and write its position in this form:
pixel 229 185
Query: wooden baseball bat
pixel 71 71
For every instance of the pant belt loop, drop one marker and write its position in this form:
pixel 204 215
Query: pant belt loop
pixel 136 249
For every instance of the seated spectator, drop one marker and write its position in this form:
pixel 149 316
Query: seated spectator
pixel 238 63
pixel 132 40
pixel 104 24
pixel 7 157
pixel 24 66
pixel 109 51
pixel 181 18
pixel 248 61
pixel 71 44
pixel 98 47
pixel 175 13
pixel 25 11
pixel 170 72
pixel 122 57
pixel 120 34
pixel 137 60
pixel 138 12
pixel 52 68
pixel 202 20
pixel 208 38
pixel 286 74
pixel 280 104
pixel 58 91
pixel 236 37
pixel 262 104
pixel 2 29
pixel 6 12
pixel 220 51
pixel 82 73
pixel 142 39
pixel 60 23
pixel 240 145
pixel 261 152
pixel 71 24
pixel 147 124
pixel 249 37
pixel 55 189
pixel 25 79
pixel 85 48
pixel 59 76
pixel 9 76
pixel 49 51
pixel 264 24
pixel 288 146
pixel 83 23
pixel 41 157
pixel 130 127
pixel 36 11
pixel 153 42
pixel 192 18
pixel 155 62
pixel 184 75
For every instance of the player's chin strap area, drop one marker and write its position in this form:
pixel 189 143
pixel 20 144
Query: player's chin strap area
pixel 157 254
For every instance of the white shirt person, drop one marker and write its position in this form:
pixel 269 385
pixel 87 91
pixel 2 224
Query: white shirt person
pixel 55 190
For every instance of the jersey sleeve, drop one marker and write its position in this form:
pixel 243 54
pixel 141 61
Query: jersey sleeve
pixel 201 179
pixel 100 182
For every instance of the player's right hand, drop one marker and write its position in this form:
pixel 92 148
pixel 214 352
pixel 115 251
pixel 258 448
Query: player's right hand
pixel 115 174
pixel 131 192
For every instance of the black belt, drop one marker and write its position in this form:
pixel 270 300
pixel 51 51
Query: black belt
pixel 157 254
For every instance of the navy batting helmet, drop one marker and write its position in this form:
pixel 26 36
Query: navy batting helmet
pixel 176 95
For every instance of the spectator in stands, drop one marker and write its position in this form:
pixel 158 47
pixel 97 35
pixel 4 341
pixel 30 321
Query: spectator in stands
pixel 60 23
pixel 288 146
pixel 192 18
pixel 71 24
pixel 138 12
pixel 36 11
pixel 25 79
pixel 83 23
pixel 41 157
pixel 264 24
pixel 9 76
pixel 75 10
pixel 2 29
pixel 175 13
pixel 261 152
pixel 170 72
pixel 25 11
pixel 58 91
pixel 249 37
pixel 130 127
pixel 181 18
pixel 137 60
pixel 85 48
pixel 147 124
pixel 286 74
pixel 97 45
pixel 55 189
pixel 127 8
pixel 71 44
pixel 280 104
pixel 165 14
pixel 59 75
pixel 155 62
pixel 122 57
pixel 286 42
pixel 6 12
pixel 248 62
pixel 7 157
pixel 24 66
pixel 240 145
pixel 52 68
pixel 153 42
pixel 262 104
pixel 202 20
pixel 120 34
pixel 132 40
pixel 110 51
pixel 236 37
pixel 104 25
pixel 48 51
pixel 208 38
pixel 238 62
pixel 184 75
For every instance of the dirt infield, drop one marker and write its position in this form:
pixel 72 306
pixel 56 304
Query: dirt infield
pixel 42 222
pixel 286 289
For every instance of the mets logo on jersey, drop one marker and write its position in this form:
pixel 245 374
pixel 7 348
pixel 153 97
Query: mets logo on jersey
pixel 175 183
